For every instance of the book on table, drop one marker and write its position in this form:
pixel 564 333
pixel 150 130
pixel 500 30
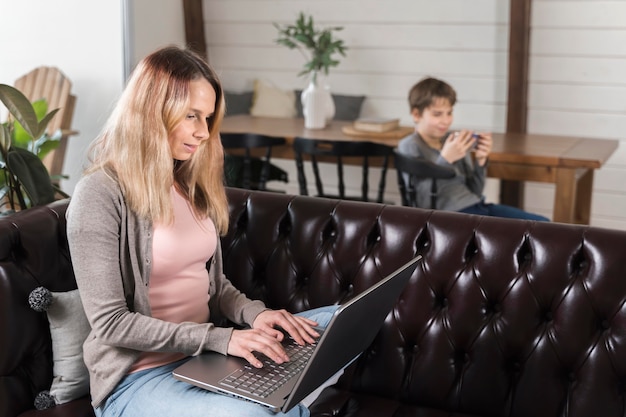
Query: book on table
pixel 376 124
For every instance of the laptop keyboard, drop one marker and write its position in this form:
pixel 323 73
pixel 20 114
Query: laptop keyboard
pixel 262 382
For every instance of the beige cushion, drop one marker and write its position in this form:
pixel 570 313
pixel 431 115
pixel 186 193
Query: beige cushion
pixel 271 101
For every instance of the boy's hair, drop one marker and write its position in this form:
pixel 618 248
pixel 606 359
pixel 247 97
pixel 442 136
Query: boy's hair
pixel 425 92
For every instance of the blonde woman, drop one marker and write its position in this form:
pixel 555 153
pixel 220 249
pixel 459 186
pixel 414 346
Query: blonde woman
pixel 143 227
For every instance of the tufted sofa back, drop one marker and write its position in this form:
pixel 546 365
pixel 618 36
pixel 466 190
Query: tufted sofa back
pixel 502 318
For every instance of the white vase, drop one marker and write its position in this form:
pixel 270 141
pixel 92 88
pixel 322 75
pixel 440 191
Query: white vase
pixel 318 106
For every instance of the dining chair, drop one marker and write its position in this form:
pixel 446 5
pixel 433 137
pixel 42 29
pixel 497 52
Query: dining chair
pixel 317 150
pixel 410 170
pixel 243 168
pixel 51 84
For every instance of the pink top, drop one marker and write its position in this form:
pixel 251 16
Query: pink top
pixel 179 283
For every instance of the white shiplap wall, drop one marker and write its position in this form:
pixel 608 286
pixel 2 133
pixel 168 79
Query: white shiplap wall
pixel 578 87
pixel 392 44
pixel 577 67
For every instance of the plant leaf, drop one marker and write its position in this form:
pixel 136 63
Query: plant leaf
pixel 41 127
pixel 19 106
pixel 41 108
pixel 5 140
pixel 43 147
pixel 319 44
pixel 21 137
pixel 32 174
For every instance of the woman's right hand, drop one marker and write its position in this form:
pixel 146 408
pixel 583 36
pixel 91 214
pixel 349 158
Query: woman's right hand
pixel 243 342
pixel 456 145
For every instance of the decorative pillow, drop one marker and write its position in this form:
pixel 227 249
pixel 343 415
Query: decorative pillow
pixel 68 329
pixel 271 101
pixel 238 103
pixel 346 107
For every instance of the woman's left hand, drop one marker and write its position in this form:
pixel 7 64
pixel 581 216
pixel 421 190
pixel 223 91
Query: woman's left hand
pixel 483 148
pixel 299 328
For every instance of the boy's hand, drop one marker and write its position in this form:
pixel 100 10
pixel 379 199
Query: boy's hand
pixel 457 145
pixel 483 147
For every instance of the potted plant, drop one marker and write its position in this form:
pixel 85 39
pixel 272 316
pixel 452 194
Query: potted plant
pixel 320 47
pixel 24 179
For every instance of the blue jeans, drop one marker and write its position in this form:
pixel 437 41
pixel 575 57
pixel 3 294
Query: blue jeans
pixel 155 392
pixel 501 210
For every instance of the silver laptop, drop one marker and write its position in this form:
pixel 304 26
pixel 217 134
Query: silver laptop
pixel 351 330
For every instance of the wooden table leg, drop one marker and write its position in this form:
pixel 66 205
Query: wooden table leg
pixel 512 193
pixel 584 191
pixel 565 195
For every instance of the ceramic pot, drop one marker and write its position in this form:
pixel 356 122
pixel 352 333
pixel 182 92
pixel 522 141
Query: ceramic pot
pixel 318 106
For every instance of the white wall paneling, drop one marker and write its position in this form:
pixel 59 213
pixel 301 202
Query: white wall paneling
pixel 392 45
pixel 577 63
pixel 577 87
pixel 577 67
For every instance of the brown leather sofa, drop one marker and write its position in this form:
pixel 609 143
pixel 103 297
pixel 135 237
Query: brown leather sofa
pixel 502 318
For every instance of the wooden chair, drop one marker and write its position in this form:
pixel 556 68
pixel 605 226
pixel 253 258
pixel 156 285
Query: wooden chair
pixel 52 85
pixel 337 151
pixel 245 170
pixel 412 169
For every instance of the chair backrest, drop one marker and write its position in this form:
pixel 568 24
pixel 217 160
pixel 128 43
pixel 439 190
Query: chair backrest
pixel 251 168
pixel 337 152
pixel 410 170
pixel 52 85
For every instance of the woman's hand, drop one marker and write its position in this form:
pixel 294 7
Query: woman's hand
pixel 299 328
pixel 456 145
pixel 243 342
pixel 265 337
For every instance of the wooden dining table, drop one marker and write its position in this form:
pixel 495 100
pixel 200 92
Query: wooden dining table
pixel 567 162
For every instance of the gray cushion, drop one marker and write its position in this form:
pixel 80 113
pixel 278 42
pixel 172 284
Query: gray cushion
pixel 238 103
pixel 69 329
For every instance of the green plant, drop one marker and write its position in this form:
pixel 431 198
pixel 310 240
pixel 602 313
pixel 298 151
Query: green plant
pixel 24 179
pixel 318 46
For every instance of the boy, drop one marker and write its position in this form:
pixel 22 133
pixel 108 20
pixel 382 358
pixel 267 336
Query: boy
pixel 431 102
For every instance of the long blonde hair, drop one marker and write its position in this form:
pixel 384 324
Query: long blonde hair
pixel 134 143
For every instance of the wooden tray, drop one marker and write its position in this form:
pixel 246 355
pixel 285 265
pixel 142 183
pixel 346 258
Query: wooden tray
pixel 398 133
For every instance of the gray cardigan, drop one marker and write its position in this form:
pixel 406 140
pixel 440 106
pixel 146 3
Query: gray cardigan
pixel 111 251
pixel 463 190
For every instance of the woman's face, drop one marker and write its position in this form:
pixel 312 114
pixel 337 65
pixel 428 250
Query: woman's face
pixel 185 138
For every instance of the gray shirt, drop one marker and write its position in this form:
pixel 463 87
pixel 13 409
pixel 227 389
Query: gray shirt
pixel 463 190
pixel 111 251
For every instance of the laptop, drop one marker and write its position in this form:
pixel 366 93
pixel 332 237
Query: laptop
pixel 350 331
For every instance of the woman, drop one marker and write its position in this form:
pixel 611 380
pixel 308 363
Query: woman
pixel 142 225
